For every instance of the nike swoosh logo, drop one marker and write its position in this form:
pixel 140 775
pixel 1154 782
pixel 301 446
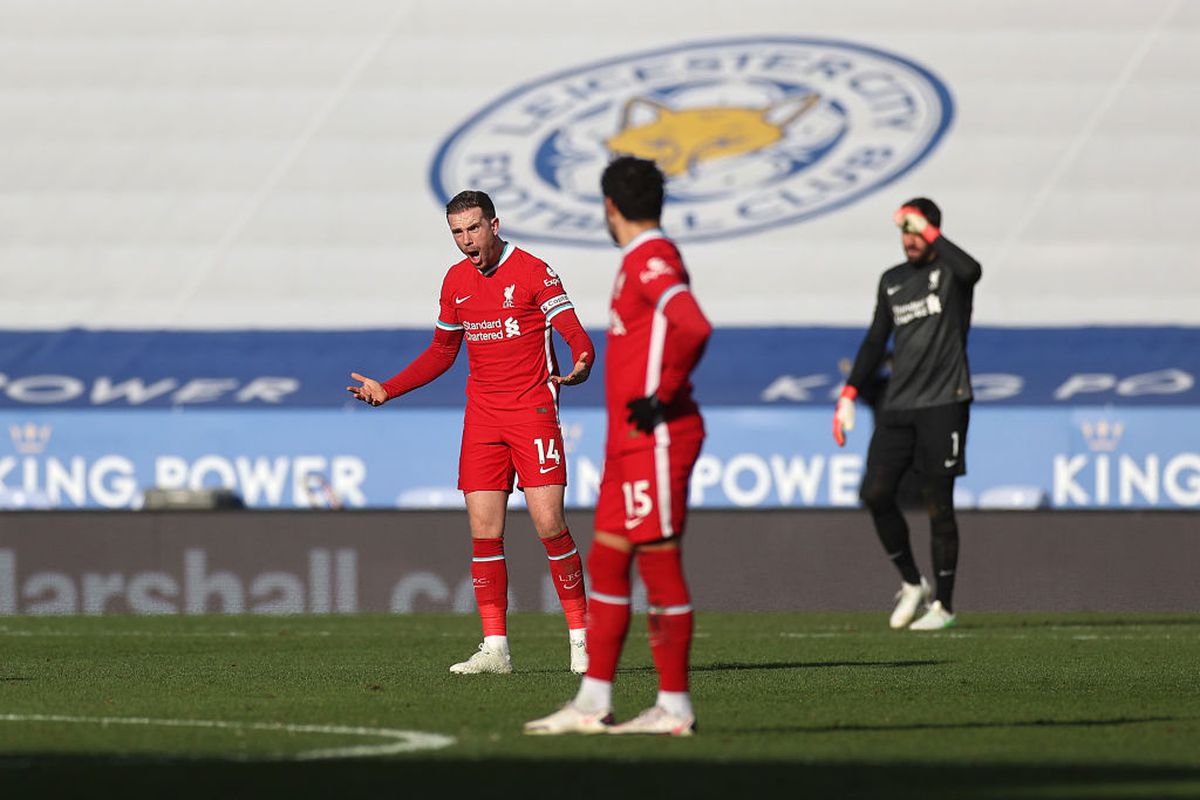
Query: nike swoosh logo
pixel 544 470
pixel 458 299
pixel 891 290
pixel 949 462
pixel 571 585
pixel 630 524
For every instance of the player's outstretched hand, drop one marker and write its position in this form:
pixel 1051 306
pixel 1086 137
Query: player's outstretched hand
pixel 843 415
pixel 645 413
pixel 911 220
pixel 583 368
pixel 370 392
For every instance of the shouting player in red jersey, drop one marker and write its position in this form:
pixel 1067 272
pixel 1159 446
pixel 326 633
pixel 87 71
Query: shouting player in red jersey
pixel 504 302
pixel 656 336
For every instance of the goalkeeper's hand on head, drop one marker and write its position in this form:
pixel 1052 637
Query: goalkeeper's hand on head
pixel 843 415
pixel 910 220
pixel 645 413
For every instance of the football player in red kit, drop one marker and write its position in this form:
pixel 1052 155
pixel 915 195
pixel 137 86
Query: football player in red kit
pixel 656 336
pixel 504 301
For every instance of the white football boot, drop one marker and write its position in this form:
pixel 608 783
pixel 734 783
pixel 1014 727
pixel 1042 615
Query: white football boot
pixel 656 720
pixel 487 659
pixel 570 719
pixel 911 597
pixel 936 618
pixel 579 656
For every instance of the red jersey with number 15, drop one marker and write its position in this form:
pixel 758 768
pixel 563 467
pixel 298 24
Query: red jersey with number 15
pixel 651 273
pixel 505 315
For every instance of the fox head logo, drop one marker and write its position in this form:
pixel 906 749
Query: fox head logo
pixel 680 140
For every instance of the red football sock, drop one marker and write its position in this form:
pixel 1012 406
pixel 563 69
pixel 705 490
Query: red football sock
pixel 489 573
pixel 567 570
pixel 670 617
pixel 608 617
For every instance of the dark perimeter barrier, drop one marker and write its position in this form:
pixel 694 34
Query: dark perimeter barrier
pixel 281 562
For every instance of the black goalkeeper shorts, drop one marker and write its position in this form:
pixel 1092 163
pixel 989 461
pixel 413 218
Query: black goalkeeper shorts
pixel 932 441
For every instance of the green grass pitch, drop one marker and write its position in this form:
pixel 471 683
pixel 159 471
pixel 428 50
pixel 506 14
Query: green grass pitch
pixel 814 705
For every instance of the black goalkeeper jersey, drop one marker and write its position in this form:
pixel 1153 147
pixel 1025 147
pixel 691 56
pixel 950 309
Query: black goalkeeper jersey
pixel 927 307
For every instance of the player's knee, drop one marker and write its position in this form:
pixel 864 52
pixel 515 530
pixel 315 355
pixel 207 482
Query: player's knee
pixel 549 527
pixel 662 572
pixel 546 510
pixel 613 541
pixel 608 569
pixel 877 495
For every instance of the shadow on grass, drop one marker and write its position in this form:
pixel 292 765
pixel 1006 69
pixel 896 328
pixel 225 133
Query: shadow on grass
pixel 733 666
pixel 92 777
pixel 721 666
pixel 950 726
pixel 1147 621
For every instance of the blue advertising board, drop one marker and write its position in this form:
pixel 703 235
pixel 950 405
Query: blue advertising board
pixel 754 457
pixel 773 367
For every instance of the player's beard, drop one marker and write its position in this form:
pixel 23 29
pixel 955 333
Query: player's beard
pixel 612 232
pixel 917 258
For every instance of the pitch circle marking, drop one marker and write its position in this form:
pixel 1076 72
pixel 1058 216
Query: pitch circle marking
pixel 402 741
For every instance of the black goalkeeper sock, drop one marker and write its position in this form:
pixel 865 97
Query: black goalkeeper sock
pixel 893 534
pixel 943 528
pixel 879 495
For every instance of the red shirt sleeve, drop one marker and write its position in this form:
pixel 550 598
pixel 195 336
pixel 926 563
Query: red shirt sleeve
pixel 663 283
pixel 687 337
pixel 551 297
pixel 439 356
pixel 661 273
pixel 431 363
pixel 447 309
pixel 568 326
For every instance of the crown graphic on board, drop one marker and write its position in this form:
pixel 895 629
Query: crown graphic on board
pixel 1103 435
pixel 29 439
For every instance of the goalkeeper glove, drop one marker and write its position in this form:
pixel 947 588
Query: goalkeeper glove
pixel 911 220
pixel 645 413
pixel 843 415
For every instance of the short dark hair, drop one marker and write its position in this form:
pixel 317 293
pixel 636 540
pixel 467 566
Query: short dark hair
pixel 928 209
pixel 464 201
pixel 636 187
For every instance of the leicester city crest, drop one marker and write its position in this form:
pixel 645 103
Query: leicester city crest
pixel 751 134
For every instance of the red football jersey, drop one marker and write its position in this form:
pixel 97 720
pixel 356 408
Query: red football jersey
pixel 651 273
pixel 505 317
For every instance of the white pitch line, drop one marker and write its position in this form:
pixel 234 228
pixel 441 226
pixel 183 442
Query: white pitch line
pixel 164 634
pixel 959 634
pixel 403 741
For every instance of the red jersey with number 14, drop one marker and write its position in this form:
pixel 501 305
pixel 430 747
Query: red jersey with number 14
pixel 505 315
pixel 652 272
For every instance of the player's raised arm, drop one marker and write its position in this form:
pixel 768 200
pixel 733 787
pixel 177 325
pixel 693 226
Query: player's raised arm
pixel 433 361
pixel 965 268
pixel 961 264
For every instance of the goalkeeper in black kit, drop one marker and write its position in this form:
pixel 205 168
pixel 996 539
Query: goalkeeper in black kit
pixel 921 421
